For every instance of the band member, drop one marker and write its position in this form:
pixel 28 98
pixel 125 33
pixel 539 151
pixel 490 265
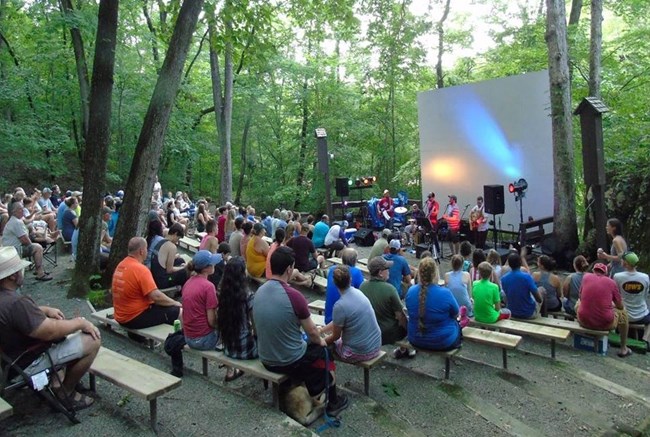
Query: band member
pixel 385 208
pixel 432 209
pixel 452 217
pixel 478 223
pixel 412 229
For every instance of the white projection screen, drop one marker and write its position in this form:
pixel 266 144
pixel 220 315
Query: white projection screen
pixel 489 133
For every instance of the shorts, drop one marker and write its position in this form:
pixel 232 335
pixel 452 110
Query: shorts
pixel 27 250
pixel 620 318
pixel 70 349
pixel 309 369
pixel 208 342
pixel 642 321
pixel 346 354
pixel 453 236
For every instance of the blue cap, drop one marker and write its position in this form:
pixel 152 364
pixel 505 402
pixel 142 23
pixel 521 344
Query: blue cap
pixel 205 258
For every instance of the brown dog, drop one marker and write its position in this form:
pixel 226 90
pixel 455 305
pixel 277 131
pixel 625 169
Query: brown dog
pixel 297 404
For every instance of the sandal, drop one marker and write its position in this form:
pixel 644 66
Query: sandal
pixel 44 278
pixel 236 374
pixel 626 354
pixel 75 400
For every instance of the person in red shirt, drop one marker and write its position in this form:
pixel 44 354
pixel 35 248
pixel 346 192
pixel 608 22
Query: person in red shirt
pixel 452 216
pixel 385 204
pixel 601 307
pixel 137 302
pixel 221 224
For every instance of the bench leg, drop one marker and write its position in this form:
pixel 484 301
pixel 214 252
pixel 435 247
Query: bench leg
pixel 153 414
pixel 504 353
pixel 447 367
pixel 366 381
pixel 553 348
pixel 93 382
pixel 266 384
pixel 276 396
pixel 204 362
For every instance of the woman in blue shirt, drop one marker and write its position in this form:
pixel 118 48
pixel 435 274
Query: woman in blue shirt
pixel 433 311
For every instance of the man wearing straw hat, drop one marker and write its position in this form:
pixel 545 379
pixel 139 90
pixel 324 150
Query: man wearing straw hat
pixel 24 326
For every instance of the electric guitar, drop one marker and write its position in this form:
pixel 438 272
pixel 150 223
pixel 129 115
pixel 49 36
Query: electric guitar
pixel 476 218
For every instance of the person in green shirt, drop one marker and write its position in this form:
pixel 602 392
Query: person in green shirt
pixel 487 298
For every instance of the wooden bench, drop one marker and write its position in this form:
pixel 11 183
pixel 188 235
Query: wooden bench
pixel 447 354
pixel 139 379
pixel 495 339
pixel 318 306
pixel 522 328
pixel 267 239
pixel 574 327
pixel 367 367
pixel 363 261
pixel 321 283
pixel 190 244
pixel 159 333
pixel 322 251
pixel 200 235
pixel 339 261
pixel 318 319
pixel 6 409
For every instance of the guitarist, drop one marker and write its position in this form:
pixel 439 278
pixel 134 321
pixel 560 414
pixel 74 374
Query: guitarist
pixel 478 223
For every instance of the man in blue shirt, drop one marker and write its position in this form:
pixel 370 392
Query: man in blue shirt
pixel 320 231
pixel 524 299
pixel 332 295
pixel 400 271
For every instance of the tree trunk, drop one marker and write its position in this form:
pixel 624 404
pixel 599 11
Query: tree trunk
pixel 576 10
pixel 146 159
pixel 441 50
pixel 82 68
pixel 244 154
pixel 154 35
pixel 90 222
pixel 564 211
pixel 595 47
pixel 303 137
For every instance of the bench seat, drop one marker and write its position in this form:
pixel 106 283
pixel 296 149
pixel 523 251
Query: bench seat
pixel 367 366
pixel 318 306
pixel 6 409
pixel 339 261
pixel 190 244
pixel 447 354
pixel 522 328
pixel 138 378
pixel 574 327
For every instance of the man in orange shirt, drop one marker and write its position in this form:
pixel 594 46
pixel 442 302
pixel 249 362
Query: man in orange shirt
pixel 136 299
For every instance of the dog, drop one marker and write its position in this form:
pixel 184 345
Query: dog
pixel 296 403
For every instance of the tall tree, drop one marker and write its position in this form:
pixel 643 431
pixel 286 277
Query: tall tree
pixel 440 28
pixel 146 159
pixel 222 96
pixel 564 209
pixel 595 47
pixel 96 156
pixel 82 67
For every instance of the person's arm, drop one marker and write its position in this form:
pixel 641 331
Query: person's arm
pixel 52 313
pixel 335 335
pixel 54 329
pixel 24 239
pixel 212 317
pixel 565 286
pixel 171 257
pixel 401 318
pixel 447 279
pixel 160 298
pixel 469 284
pixel 312 331
pixel 555 282
pixel 262 246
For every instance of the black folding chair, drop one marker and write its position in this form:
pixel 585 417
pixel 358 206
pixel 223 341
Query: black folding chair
pixel 14 377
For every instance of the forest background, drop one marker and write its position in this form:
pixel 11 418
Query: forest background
pixel 280 69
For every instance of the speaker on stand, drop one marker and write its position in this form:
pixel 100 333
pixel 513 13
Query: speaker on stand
pixel 493 196
pixel 364 237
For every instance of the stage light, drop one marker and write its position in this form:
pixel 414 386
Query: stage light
pixel 349 182
pixel 518 187
pixel 357 182
pixel 365 181
pixel 374 178
pixel 345 203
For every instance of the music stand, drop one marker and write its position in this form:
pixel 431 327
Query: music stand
pixel 429 234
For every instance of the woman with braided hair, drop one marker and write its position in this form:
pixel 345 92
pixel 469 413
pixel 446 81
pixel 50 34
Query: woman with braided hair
pixel 433 311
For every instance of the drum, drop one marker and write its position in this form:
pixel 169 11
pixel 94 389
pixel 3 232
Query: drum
pixel 401 210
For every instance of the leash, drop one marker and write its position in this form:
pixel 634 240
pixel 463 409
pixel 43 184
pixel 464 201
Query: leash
pixel 330 422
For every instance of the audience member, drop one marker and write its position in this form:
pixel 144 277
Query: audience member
pixel 550 283
pixel 16 235
pixel 572 284
pixel 399 274
pixel 256 252
pixel 487 297
pixel 332 295
pixel 307 258
pixel 524 299
pixel 169 269
pixel 617 249
pixel 633 286
pixel 380 247
pixel 236 236
pixel 42 335
pixel 246 228
pixel 595 310
pixel 321 230
pixel 353 330
pixel 281 315
pixel 460 284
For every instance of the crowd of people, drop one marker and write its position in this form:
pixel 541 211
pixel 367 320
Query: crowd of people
pixel 220 311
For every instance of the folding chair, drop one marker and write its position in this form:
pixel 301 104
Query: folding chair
pixel 50 253
pixel 14 377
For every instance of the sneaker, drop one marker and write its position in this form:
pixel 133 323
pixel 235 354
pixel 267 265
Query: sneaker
pixel 334 408
pixel 400 353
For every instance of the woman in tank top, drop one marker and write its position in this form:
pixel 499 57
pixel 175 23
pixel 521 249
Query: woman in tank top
pixel 572 283
pixel 617 249
pixel 545 278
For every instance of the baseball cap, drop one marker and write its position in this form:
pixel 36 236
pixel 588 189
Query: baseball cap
pixel 47 190
pixel 386 232
pixel 386 191
pixel 377 264
pixel 601 268
pixel 205 258
pixel 631 258
pixel 395 244
pixel 453 196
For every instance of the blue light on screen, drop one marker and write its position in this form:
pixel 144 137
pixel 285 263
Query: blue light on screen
pixel 485 135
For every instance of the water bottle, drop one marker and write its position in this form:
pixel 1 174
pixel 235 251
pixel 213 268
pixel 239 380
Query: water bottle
pixel 177 325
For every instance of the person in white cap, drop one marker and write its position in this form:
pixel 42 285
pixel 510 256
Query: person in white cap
pixel 45 331
pixel 634 287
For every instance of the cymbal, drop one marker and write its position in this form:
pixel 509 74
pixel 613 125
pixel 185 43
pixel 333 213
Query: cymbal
pixel 401 210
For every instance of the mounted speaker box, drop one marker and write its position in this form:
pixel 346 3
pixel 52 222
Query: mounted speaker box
pixel 364 237
pixel 494 201
pixel 342 187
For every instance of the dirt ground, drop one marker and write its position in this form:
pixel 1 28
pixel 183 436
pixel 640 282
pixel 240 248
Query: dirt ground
pixel 580 393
